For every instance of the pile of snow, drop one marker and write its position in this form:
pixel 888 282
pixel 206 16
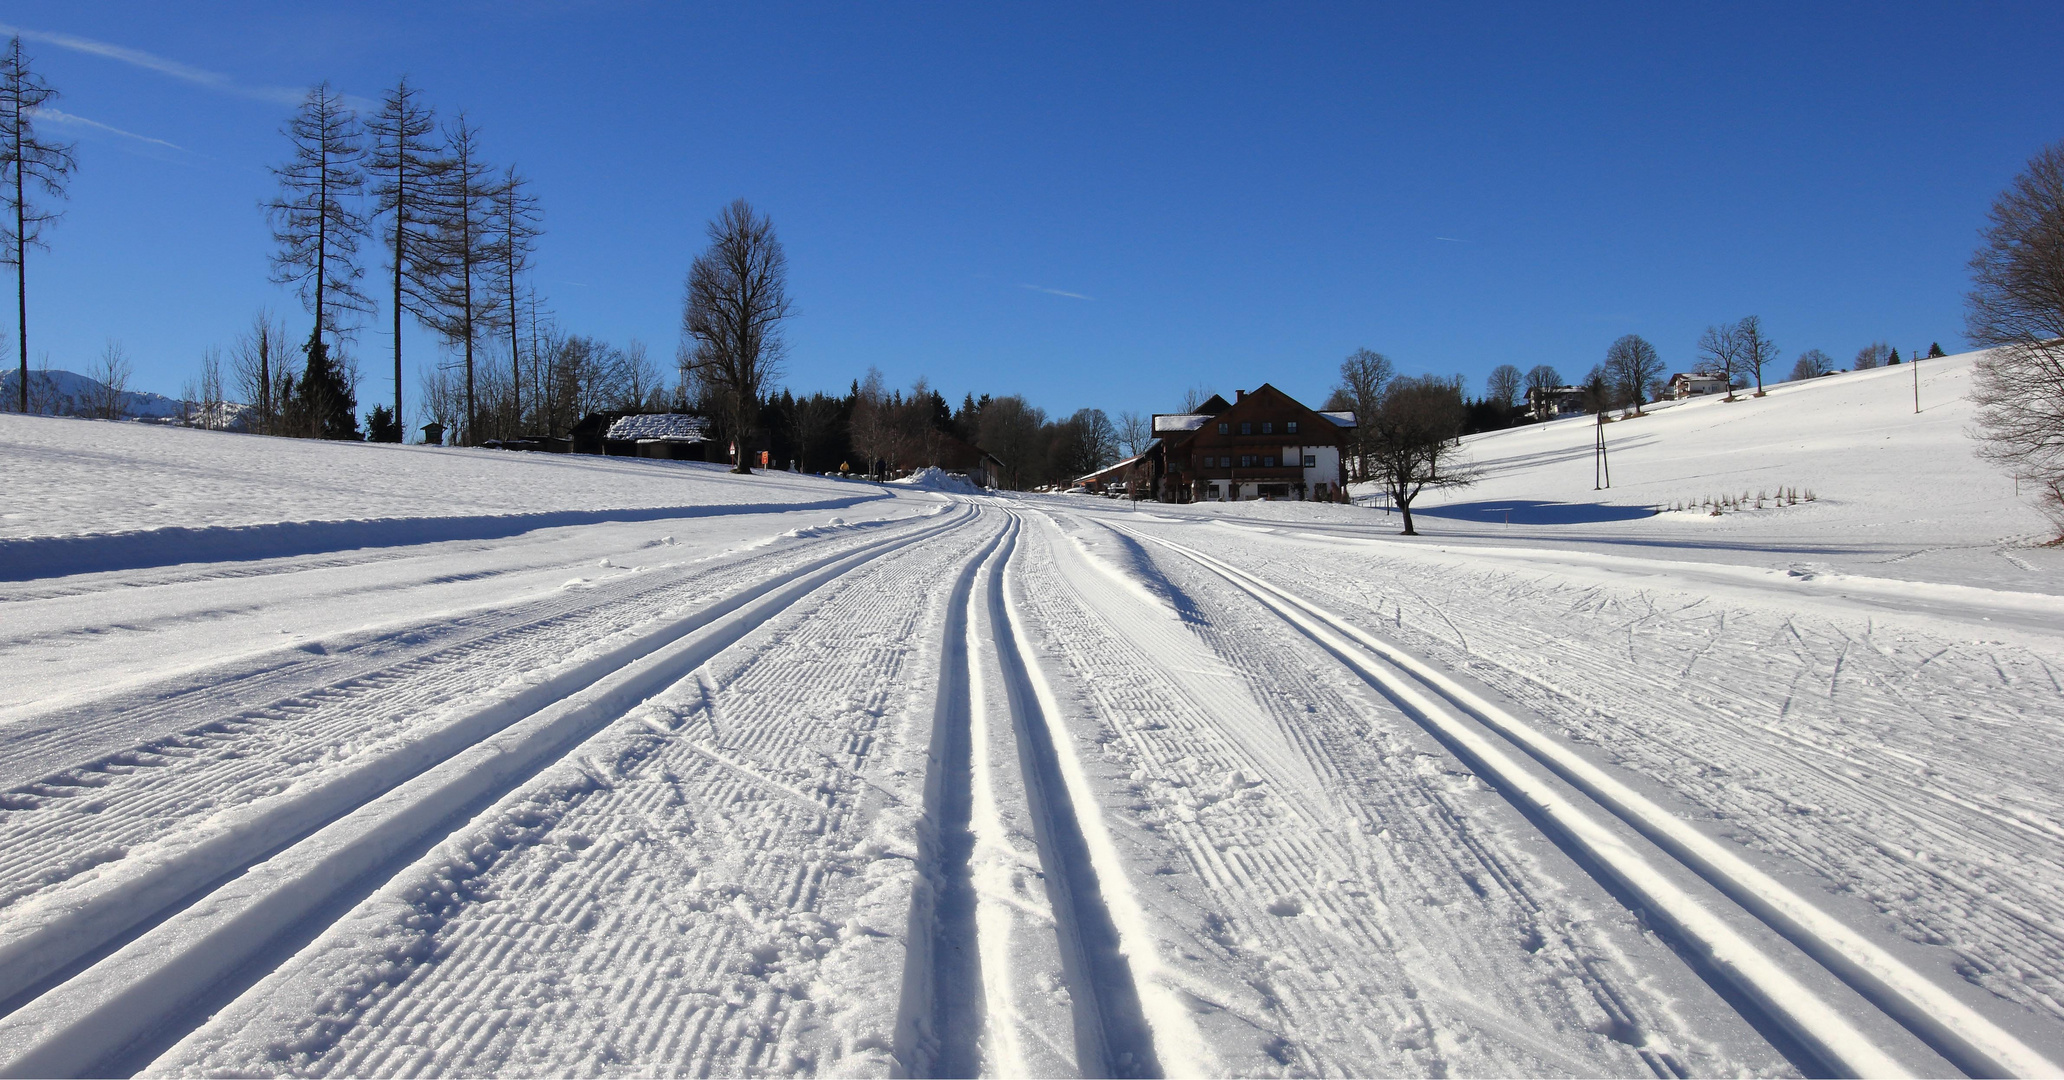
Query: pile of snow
pixel 933 478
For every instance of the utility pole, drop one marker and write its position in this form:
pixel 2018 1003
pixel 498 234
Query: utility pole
pixel 1601 469
pixel 1917 381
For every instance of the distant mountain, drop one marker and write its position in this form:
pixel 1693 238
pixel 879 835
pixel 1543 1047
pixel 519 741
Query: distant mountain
pixel 65 393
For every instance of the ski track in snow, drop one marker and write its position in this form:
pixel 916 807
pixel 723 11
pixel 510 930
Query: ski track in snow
pixel 1022 787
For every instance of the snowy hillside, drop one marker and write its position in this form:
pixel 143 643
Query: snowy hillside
pixel 338 760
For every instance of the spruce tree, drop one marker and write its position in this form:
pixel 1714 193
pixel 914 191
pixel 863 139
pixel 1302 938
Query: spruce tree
pixel 26 159
pixel 322 405
pixel 1935 350
pixel 1894 358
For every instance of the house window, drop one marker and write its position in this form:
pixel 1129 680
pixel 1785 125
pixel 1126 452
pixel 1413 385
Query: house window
pixel 1311 461
pixel 1267 428
pixel 1246 461
pixel 1223 428
pixel 1291 427
pixel 1246 428
pixel 1268 462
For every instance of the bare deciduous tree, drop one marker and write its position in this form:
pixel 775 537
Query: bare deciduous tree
pixel 1541 380
pixel 737 298
pixel 2016 310
pixel 1503 385
pixel 1363 376
pixel 1634 368
pixel 1134 432
pixel 214 414
pixel 1812 364
pixel 264 375
pixel 111 371
pixel 874 425
pixel 1414 440
pixel 1872 355
pixel 1719 355
pixel 27 160
pixel 1011 430
pixel 314 219
pixel 1756 349
pixel 405 164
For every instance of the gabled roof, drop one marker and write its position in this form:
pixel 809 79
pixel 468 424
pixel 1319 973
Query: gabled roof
pixel 672 427
pixel 1342 417
pixel 1214 406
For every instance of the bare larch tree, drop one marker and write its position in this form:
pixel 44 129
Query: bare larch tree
pixel 737 298
pixel 2016 310
pixel 513 229
pixel 314 219
pixel 464 255
pixel 405 163
pixel 27 161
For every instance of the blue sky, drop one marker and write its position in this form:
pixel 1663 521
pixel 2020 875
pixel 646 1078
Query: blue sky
pixel 1097 204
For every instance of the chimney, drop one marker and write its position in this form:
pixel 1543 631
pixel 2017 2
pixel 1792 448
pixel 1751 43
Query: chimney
pixel 1239 396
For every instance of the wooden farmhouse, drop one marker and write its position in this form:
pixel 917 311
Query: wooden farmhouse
pixel 1264 444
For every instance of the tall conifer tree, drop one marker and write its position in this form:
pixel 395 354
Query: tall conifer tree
pixel 314 217
pixel 465 207
pixel 27 161
pixel 406 164
pixel 514 228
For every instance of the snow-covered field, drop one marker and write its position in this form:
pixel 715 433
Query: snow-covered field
pixel 352 760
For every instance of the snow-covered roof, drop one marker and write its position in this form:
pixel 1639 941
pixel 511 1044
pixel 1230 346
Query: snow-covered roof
pixel 1180 421
pixel 1110 470
pixel 675 427
pixel 1343 417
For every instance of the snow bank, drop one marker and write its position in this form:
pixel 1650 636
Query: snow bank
pixel 933 478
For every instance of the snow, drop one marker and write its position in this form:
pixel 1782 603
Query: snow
pixel 933 478
pixel 312 762
pixel 53 391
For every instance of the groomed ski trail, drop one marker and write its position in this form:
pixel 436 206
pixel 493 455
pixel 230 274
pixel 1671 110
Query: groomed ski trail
pixel 1486 736
pixel 302 855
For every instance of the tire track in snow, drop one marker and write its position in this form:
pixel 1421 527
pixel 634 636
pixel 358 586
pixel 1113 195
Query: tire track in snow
pixel 335 836
pixel 1943 1021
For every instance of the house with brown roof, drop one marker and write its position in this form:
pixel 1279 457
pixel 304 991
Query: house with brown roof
pixel 1264 444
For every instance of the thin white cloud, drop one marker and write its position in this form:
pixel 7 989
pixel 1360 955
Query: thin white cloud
pixel 151 62
pixel 1055 292
pixel 65 119
pixel 1452 240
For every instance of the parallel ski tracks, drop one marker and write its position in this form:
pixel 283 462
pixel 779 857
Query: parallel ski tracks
pixel 205 912
pixel 1003 761
pixel 1515 756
